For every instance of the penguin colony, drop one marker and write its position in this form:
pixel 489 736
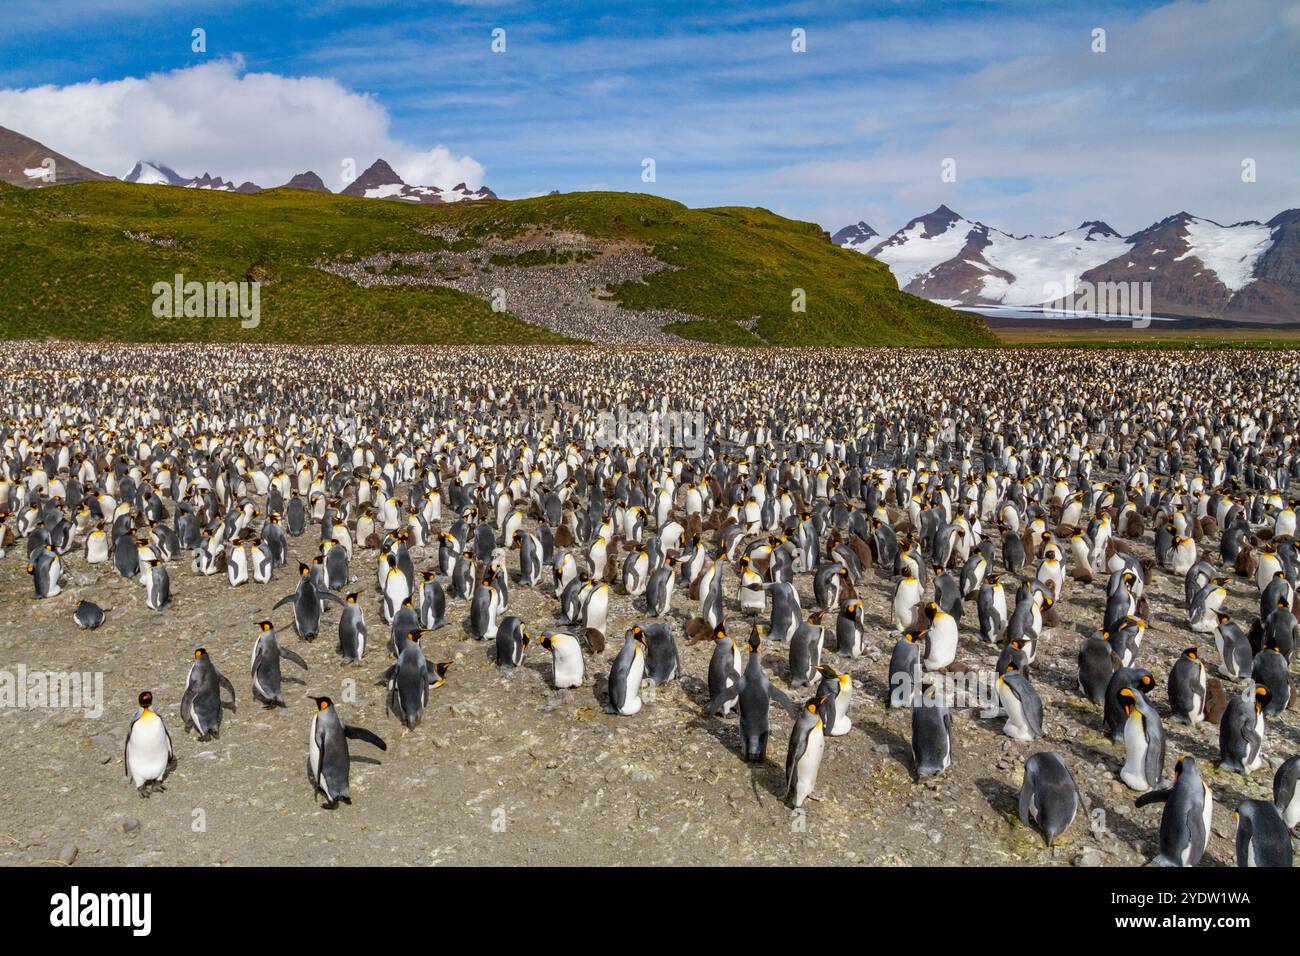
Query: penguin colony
pixel 853 531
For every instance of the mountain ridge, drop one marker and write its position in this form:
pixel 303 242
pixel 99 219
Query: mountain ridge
pixel 1249 271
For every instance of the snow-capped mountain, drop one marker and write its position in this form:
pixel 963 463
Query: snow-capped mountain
pixel 1249 270
pixel 381 181
pixel 857 237
pixel 25 162
pixel 153 173
pixel 28 164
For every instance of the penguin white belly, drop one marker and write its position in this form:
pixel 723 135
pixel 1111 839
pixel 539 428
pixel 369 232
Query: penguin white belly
pixel 1016 726
pixel 942 647
pixel 97 549
pixel 841 725
pixel 1133 772
pixel 1255 752
pixel 313 759
pixel 808 766
pixel 905 614
pixel 568 666
pixel 733 679
pixel 1291 812
pixel 147 750
pixel 632 693
pixel 1206 816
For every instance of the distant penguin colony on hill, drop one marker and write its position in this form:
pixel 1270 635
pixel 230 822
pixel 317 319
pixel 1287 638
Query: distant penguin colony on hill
pixel 819 528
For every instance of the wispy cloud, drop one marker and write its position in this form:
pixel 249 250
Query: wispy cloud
pixel 222 119
pixel 1045 133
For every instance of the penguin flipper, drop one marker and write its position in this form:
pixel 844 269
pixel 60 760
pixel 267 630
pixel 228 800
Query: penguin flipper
pixel 293 656
pixel 798 746
pixel 387 676
pixel 283 601
pixel 1153 796
pixel 224 681
pixel 360 733
pixel 186 700
pixel 1196 835
pixel 1028 800
pixel 724 696
pixel 320 763
pixel 327 596
pixel 783 699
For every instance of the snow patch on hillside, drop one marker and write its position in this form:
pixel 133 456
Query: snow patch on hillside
pixel 1230 252
pixel 1043 264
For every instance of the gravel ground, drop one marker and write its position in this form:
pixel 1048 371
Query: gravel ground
pixel 506 770
pixel 563 297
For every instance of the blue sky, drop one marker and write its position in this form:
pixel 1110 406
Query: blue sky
pixel 1044 131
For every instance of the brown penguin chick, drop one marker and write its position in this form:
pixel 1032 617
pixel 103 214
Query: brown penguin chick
pixel 1051 618
pixel 864 550
pixel 1114 546
pixel 697 629
pixel 1216 701
pixel 595 640
pixel 1148 565
pixel 1247 562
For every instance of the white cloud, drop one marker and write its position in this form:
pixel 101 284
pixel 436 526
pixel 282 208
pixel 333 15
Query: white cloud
pixel 220 119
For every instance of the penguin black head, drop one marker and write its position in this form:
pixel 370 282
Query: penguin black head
pixel 265 626
pixel 303 568
pixel 1192 653
pixel 145 699
pixel 322 703
pixel 352 598
pixel 1262 697
pixel 200 652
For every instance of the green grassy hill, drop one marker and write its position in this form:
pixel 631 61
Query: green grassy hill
pixel 68 269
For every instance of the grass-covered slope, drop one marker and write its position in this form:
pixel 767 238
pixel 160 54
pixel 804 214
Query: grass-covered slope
pixel 68 269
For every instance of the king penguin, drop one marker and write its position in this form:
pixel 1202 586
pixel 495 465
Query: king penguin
pixel 1185 822
pixel 804 756
pixel 266 665
pixel 201 704
pixel 327 756
pixel 1263 838
pixel 1049 797
pixel 147 752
